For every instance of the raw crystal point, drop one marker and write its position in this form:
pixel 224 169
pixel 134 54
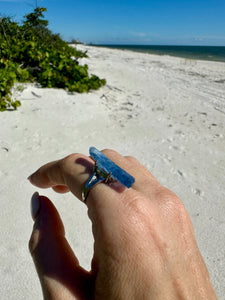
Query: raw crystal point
pixel 107 166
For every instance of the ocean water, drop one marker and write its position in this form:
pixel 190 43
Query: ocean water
pixel 213 53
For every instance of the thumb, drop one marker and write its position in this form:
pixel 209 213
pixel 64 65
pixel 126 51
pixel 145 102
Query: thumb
pixel 58 269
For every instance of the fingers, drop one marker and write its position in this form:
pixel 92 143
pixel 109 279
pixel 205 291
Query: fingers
pixel 117 214
pixel 72 172
pixel 58 268
pixel 106 203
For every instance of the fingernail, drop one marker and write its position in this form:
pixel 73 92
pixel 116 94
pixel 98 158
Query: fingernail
pixel 35 205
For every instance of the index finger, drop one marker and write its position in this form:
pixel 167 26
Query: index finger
pixel 72 171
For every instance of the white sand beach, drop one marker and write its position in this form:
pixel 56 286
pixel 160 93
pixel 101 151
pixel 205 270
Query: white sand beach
pixel 168 112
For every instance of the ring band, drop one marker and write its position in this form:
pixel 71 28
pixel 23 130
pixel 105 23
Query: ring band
pixel 98 176
pixel 105 170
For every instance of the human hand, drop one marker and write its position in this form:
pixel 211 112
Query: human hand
pixel 144 243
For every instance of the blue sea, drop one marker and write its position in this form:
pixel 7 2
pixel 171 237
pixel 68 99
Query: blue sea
pixel 213 53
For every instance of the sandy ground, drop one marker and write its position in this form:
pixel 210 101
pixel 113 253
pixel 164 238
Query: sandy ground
pixel 168 112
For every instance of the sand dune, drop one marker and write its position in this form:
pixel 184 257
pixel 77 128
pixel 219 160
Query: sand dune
pixel 168 112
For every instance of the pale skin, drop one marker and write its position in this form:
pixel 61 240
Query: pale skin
pixel 144 242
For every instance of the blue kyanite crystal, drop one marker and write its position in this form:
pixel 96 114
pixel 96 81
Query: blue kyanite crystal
pixel 107 166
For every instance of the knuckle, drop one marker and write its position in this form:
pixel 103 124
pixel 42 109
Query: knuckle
pixel 171 203
pixel 109 152
pixel 135 205
pixel 132 160
pixel 68 159
pixel 65 164
pixel 70 166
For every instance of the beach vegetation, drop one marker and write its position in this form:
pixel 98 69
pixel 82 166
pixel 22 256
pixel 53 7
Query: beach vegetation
pixel 75 41
pixel 30 52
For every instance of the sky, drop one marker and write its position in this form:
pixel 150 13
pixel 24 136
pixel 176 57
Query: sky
pixel 144 22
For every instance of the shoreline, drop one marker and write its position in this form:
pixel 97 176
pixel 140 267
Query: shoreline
pixel 187 52
pixel 168 112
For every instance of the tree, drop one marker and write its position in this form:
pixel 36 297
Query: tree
pixel 34 19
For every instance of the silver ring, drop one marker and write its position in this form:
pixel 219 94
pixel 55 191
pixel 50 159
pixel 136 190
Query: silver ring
pixel 98 176
pixel 106 171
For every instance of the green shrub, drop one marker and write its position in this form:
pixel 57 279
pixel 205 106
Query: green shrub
pixel 8 77
pixel 31 52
